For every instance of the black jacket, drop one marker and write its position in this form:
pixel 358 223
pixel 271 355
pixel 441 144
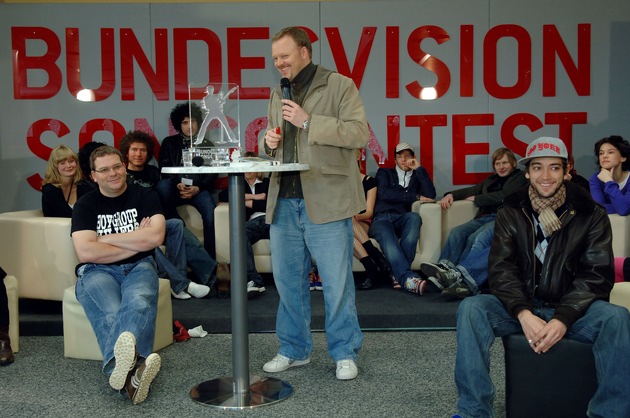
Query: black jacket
pixel 171 156
pixel 489 201
pixel 578 267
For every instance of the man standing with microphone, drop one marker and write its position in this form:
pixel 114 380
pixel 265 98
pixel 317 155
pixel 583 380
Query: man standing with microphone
pixel 310 212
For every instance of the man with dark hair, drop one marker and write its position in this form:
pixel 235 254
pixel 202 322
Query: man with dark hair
pixel 394 226
pixel 191 189
pixel 183 249
pixel 115 229
pixel 310 212
pixel 550 274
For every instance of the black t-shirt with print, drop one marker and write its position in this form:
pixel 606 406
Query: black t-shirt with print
pixel 147 177
pixel 112 215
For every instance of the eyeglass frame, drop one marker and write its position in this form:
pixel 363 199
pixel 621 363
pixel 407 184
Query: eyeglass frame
pixel 105 170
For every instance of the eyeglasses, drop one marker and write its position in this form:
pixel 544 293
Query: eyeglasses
pixel 106 170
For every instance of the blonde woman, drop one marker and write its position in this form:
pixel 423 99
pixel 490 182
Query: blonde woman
pixel 62 185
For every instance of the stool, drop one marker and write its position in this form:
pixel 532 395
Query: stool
pixel 559 383
pixel 79 339
pixel 11 283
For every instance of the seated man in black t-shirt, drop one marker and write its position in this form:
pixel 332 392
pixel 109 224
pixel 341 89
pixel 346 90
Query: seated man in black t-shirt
pixel 115 229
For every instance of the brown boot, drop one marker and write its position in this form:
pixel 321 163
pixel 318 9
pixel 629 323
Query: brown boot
pixel 6 353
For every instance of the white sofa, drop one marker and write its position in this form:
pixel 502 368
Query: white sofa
pixel 79 339
pixel 39 252
pixel 621 235
pixel 428 246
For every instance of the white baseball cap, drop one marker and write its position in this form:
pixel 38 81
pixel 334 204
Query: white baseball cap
pixel 545 146
pixel 403 146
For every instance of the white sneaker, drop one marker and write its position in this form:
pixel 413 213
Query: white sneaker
pixel 281 363
pixel 198 290
pixel 346 370
pixel 180 295
pixel 125 359
pixel 254 288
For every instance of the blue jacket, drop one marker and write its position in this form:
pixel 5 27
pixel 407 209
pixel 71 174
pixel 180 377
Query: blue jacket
pixel 393 198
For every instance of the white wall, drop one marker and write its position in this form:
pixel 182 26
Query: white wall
pixel 470 117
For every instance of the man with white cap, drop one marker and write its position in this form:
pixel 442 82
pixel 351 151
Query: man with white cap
pixel 394 226
pixel 550 274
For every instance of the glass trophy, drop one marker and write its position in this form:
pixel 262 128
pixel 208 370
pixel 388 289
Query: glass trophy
pixel 215 107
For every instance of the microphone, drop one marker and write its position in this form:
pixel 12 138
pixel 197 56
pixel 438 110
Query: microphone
pixel 285 86
pixel 197 161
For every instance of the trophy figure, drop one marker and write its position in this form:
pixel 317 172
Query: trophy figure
pixel 212 106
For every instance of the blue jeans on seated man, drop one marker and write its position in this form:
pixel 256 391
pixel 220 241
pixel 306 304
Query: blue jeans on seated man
pixel 118 298
pixel 467 249
pixel 203 201
pixel 482 318
pixel 183 250
pixel 255 230
pixel 386 229
pixel 294 239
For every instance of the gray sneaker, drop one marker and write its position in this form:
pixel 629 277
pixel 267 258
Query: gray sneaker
pixel 459 291
pixel 281 363
pixel 440 276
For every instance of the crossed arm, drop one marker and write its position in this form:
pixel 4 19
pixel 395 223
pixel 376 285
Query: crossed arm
pixel 111 248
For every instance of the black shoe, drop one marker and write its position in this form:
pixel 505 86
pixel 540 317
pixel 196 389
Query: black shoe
pixel 365 284
pixel 6 353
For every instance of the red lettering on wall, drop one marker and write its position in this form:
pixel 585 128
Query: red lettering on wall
pixel 461 148
pixel 130 51
pixel 565 122
pixel 86 134
pixel 428 61
pixel 426 123
pixel 181 36
pixel 491 61
pixel 509 126
pixel 580 74
pixel 237 63
pixel 392 62
pixel 341 58
pixel 22 63
pixel 33 141
pixel 108 63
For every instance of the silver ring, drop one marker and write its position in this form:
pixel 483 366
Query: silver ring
pixel 529 341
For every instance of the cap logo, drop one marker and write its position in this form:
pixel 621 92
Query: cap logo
pixel 543 146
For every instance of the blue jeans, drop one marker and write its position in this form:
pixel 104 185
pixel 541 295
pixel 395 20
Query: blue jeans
pixel 203 201
pixel 255 230
pixel 467 249
pixel 482 318
pixel 386 228
pixel 173 264
pixel 183 250
pixel 294 239
pixel 201 264
pixel 117 299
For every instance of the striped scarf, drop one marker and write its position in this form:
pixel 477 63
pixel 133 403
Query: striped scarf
pixel 546 206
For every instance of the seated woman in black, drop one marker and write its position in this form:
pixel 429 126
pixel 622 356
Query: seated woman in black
pixel 62 185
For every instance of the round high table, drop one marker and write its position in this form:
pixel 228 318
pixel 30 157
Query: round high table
pixel 241 390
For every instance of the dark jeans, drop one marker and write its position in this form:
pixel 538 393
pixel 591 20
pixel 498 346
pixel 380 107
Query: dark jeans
pixel 203 201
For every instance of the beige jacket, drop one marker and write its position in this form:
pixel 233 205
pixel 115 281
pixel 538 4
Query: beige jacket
pixel 337 127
